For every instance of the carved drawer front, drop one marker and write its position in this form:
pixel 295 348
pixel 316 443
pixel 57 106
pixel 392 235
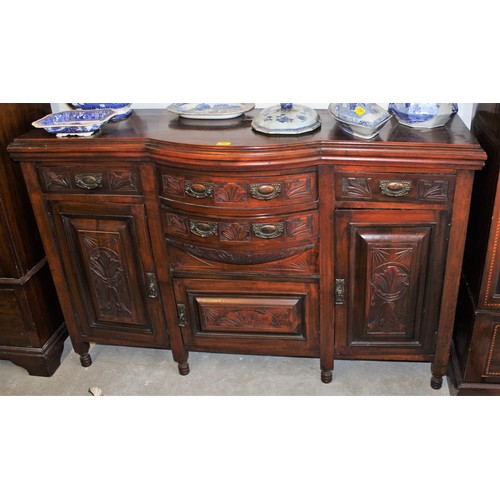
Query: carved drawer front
pixel 394 188
pixel 246 316
pixel 224 232
pixel 242 191
pixel 90 179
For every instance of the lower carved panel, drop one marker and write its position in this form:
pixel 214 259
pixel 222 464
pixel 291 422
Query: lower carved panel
pixel 249 316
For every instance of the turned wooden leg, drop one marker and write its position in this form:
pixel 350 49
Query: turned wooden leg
pixel 436 382
pixel 85 360
pixel 326 376
pixel 183 368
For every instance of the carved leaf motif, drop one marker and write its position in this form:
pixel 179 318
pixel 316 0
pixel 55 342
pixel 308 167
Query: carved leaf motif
pixel 242 319
pixel 357 187
pixel 172 185
pixel 109 282
pixel 299 226
pixel 433 190
pixel 389 286
pixel 55 181
pixel 231 192
pixel 235 232
pixel 122 181
pixel 178 224
pixel 297 188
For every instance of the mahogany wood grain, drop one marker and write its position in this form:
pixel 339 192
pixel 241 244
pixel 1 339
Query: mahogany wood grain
pixel 248 238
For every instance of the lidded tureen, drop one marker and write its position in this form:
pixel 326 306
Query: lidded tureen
pixel 360 119
pixel 286 118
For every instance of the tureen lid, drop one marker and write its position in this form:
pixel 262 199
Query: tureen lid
pixel 286 118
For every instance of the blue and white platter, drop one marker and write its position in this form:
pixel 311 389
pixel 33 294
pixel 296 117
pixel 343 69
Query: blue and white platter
pixel 423 114
pixel 286 119
pixel 122 110
pixel 207 111
pixel 360 119
pixel 75 123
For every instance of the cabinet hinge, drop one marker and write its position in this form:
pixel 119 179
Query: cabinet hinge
pixel 181 314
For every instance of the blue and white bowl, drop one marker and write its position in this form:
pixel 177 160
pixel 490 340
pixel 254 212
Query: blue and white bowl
pixel 423 115
pixel 360 119
pixel 79 123
pixel 286 118
pixel 122 110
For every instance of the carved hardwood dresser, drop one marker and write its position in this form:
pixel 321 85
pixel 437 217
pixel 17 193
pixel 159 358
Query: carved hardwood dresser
pixel 201 236
pixel 475 360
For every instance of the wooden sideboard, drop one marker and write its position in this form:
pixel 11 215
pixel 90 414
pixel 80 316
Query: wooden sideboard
pixel 475 360
pixel 32 330
pixel 207 236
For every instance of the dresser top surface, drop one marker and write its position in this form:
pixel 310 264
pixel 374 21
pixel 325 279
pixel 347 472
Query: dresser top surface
pixel 159 129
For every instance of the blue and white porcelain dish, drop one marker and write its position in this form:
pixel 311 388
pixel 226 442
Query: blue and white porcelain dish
pixel 423 114
pixel 207 111
pixel 286 118
pixel 122 110
pixel 78 123
pixel 360 119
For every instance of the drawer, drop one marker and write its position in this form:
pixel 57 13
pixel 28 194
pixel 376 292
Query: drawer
pixel 248 316
pixel 242 191
pixel 242 232
pixel 394 188
pixel 90 179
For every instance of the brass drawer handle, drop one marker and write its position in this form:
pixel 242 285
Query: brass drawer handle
pixel 88 181
pixel 269 230
pixel 198 189
pixel 266 191
pixel 395 188
pixel 203 229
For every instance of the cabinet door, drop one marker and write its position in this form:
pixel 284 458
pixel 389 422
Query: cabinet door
pixel 109 268
pixel 389 275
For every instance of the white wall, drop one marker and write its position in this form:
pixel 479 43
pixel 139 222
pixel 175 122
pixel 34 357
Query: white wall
pixel 464 109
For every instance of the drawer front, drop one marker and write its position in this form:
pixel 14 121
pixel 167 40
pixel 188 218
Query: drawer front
pixel 90 179
pixel 224 232
pixel 242 191
pixel 248 316
pixel 394 188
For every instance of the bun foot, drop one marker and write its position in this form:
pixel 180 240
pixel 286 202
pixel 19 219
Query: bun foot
pixel 183 368
pixel 436 382
pixel 326 376
pixel 85 360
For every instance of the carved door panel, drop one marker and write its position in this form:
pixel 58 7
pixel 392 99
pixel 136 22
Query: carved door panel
pixel 389 276
pixel 109 268
pixel 258 317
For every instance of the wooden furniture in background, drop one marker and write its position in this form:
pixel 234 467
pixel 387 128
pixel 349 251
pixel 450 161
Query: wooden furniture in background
pixel 32 330
pixel 207 236
pixel 475 366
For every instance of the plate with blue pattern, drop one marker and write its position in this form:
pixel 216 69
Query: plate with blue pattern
pixel 210 111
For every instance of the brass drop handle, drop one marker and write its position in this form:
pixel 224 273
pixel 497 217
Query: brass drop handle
pixel 266 191
pixel 203 229
pixel 269 230
pixel 395 188
pixel 88 181
pixel 198 190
